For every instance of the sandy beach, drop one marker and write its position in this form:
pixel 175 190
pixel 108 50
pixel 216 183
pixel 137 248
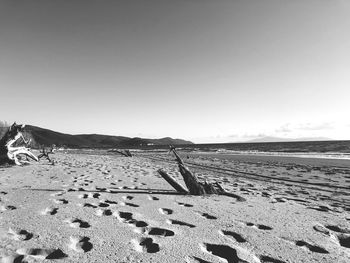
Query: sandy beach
pixel 174 131
pixel 109 208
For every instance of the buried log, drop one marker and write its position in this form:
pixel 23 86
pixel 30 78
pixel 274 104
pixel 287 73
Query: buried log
pixel 10 154
pixel 194 186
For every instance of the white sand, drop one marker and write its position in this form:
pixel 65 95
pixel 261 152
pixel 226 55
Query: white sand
pixel 96 208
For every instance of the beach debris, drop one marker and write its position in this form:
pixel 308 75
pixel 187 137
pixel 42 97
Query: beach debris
pixel 10 154
pixel 195 187
pixel 45 153
pixel 125 153
pixel 41 253
pixel 178 187
pixel 80 244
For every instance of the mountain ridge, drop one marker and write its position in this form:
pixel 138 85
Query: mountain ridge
pixel 45 137
pixel 279 139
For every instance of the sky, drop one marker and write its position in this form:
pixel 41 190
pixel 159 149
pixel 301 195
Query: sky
pixel 202 70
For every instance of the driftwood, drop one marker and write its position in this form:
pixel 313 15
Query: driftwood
pixel 128 153
pixel 178 187
pixel 10 154
pixel 194 186
pixel 125 153
pixel 45 153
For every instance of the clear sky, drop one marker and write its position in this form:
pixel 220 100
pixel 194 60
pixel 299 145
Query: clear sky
pixel 203 70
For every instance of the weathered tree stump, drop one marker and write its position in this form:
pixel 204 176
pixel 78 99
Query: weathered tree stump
pixel 194 186
pixel 10 154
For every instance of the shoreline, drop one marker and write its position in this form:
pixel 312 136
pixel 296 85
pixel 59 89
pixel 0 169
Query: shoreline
pixel 282 159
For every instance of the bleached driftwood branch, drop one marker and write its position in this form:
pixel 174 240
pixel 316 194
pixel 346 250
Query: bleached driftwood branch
pixel 8 153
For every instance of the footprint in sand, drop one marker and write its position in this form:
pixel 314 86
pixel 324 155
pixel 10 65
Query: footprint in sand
pixel 127 197
pixel 342 234
pixel 322 208
pixel 184 204
pixel 279 200
pixel 311 247
pixel 338 229
pixel 165 211
pixel 83 196
pixel 49 211
pixel 196 260
pixel 237 237
pixel 156 231
pixel 95 195
pixel 208 216
pixel 7 207
pixel 128 204
pixel 127 217
pixel 181 223
pixel 268 259
pixel 103 212
pixel 57 194
pixel 111 202
pixel 19 234
pixel 77 223
pixel 103 204
pixel 153 198
pixel 80 244
pixel 145 244
pixel 13 258
pixel 41 253
pixel 60 201
pixel 261 227
pixel 230 254
pixel 93 205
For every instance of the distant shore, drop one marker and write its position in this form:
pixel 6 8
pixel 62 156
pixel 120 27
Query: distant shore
pixel 278 158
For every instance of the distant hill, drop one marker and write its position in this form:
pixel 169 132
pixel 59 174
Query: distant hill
pixel 277 139
pixel 41 136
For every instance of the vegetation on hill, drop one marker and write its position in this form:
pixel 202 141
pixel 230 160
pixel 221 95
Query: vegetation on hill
pixel 44 137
